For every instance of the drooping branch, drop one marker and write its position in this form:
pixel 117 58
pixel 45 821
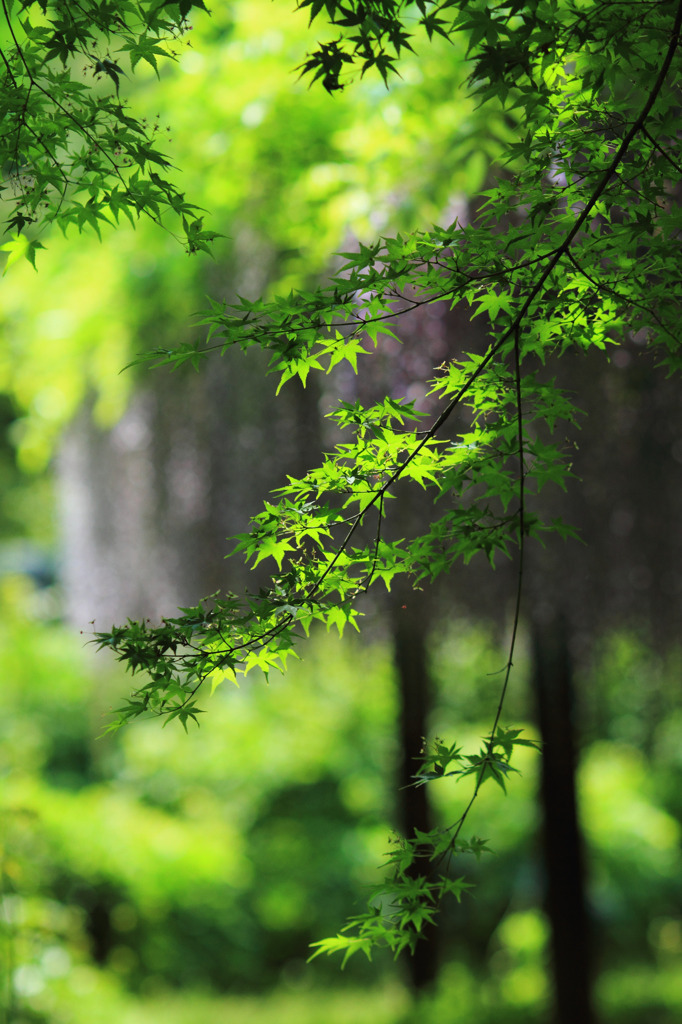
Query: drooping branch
pixel 564 207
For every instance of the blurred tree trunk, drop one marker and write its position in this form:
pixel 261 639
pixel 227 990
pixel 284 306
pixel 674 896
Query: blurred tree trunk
pixel 562 839
pixel 409 626
pixel 148 506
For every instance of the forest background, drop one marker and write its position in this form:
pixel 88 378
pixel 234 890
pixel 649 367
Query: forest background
pixel 151 872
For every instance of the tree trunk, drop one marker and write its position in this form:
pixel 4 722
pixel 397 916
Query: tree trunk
pixel 409 620
pixel 563 849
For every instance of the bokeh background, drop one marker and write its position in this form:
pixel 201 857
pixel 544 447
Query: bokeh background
pixel 150 874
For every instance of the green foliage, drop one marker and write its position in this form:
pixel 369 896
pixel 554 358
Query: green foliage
pixel 219 855
pixel 420 867
pixel 575 246
pixel 374 34
pixel 215 858
pixel 281 200
pixel 73 153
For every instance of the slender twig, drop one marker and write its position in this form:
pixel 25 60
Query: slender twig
pixel 602 286
pixel 8 67
pixel 664 153
pixel 276 330
pixel 458 825
pixel 377 541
